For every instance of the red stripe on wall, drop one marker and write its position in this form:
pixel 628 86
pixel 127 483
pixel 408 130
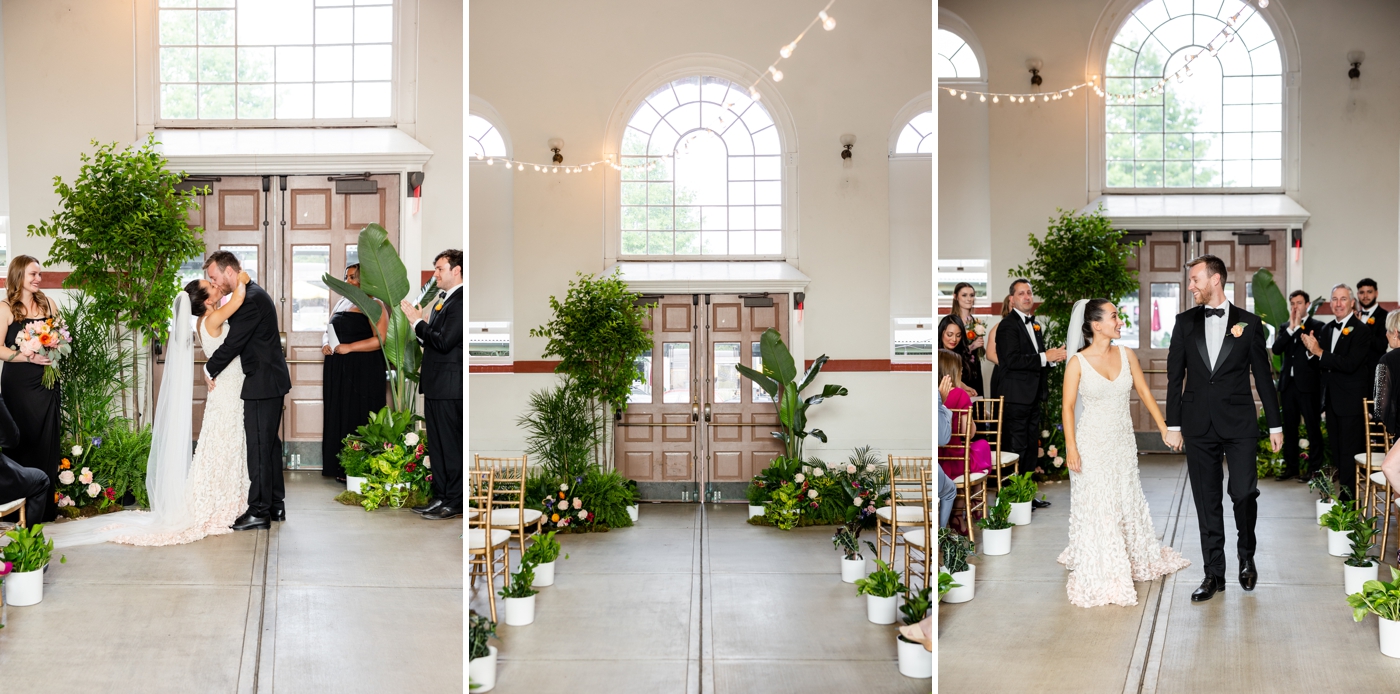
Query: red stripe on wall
pixel 427 276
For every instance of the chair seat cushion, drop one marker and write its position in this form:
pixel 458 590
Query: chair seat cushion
pixel 1376 459
pixel 476 537
pixel 1005 458
pixel 915 537
pixel 511 516
pixel 10 506
pixel 1378 478
pixel 472 513
pixel 906 513
pixel 976 477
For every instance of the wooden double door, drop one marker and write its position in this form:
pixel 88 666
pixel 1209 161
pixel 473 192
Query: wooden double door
pixel 695 429
pixel 287 232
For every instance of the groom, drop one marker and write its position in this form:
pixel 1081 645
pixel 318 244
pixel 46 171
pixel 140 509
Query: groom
pixel 1214 349
pixel 253 336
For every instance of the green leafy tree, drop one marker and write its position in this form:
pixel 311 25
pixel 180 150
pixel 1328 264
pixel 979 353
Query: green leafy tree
pixel 1160 139
pixel 122 230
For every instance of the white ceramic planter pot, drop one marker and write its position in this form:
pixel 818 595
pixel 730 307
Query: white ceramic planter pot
pixel 1322 508
pixel 853 569
pixel 23 589
pixel 483 671
pixel 544 575
pixel 353 483
pixel 968 582
pixel 1020 515
pixel 1390 638
pixel 755 511
pixel 914 661
pixel 632 512
pixel 996 542
pixel 880 610
pixel 520 611
pixel 1357 576
pixel 1338 544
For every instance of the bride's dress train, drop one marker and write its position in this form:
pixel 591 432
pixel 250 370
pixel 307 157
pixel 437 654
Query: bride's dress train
pixel 191 497
pixel 1111 539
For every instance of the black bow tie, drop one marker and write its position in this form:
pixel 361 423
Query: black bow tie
pixel 442 295
pixel 1030 319
pixel 1217 312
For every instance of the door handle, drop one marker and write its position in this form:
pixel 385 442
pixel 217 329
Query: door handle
pixel 283 337
pixel 695 411
pixel 707 412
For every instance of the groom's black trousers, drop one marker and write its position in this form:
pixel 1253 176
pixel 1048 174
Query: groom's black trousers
pixel 1203 455
pixel 260 421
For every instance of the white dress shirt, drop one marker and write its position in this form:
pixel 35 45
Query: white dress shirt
pixel 1030 330
pixel 1368 313
pixel 1215 338
pixel 445 297
pixel 1337 332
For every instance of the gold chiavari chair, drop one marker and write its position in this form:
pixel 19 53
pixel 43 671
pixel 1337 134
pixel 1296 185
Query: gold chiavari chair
pixel 904 509
pixel 972 486
pixel 488 545
pixel 509 509
pixel 1368 463
pixel 987 422
pixel 918 541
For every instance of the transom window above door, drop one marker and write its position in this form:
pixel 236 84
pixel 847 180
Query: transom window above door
pixel 702 173
pixel 276 60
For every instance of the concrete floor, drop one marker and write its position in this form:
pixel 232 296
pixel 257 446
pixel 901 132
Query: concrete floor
pixel 1293 633
pixel 332 600
pixel 682 603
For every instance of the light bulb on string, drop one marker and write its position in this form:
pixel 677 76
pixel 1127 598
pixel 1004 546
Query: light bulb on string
pixel 996 99
pixel 964 96
pixel 490 161
pixel 982 97
pixel 828 22
pixel 777 74
pixel 786 51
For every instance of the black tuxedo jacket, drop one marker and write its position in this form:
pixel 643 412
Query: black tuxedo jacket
pixel 253 335
pixel 1019 376
pixel 441 376
pixel 1376 323
pixel 1348 376
pixel 1299 371
pixel 1201 397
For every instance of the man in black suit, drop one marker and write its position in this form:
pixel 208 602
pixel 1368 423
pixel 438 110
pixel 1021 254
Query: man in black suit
pixel 1215 347
pixel 1342 351
pixel 440 333
pixel 1369 311
pixel 1022 376
pixel 17 481
pixel 254 337
pixel 1299 387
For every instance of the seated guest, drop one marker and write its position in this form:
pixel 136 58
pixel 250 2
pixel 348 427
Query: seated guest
pixel 950 367
pixel 1388 377
pixel 952 336
pixel 992 333
pixel 17 481
pixel 947 491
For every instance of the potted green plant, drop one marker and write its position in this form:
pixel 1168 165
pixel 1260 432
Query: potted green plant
pixel 955 550
pixel 1339 521
pixel 996 528
pixel 1019 490
pixel 914 661
pixel 945 584
pixel 880 589
pixel 757 494
pixel 1383 600
pixel 28 553
pixel 633 510
pixel 847 540
pixel 519 596
pixel 482 659
pixel 1325 484
pixel 541 554
pixel 779 380
pixel 1359 567
pixel 785 509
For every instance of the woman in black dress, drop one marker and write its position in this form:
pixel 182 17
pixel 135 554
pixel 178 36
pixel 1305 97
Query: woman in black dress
pixel 354 376
pixel 36 409
pixel 952 336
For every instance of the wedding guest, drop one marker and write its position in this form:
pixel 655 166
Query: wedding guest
pixel 1299 387
pixel 1371 313
pixel 952 336
pixel 964 297
pixel 1388 379
pixel 440 332
pixel 17 481
pixel 1341 350
pixel 950 368
pixel 1022 377
pixel 353 380
pixel 947 491
pixel 35 408
pixel 992 333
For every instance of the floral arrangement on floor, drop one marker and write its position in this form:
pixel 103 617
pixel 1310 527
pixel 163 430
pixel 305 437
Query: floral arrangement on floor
pixel 1269 463
pixel 49 339
pixel 819 493
pixel 594 501
pixel 392 456
pixel 105 473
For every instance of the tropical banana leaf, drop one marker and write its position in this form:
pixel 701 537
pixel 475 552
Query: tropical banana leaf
pixel 382 272
pixel 1269 303
pixel 777 360
pixel 367 305
pixel 768 385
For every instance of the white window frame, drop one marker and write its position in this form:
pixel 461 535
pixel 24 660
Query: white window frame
pixel 907 323
pixel 493 328
pixel 947 271
pixel 948 21
pixel 403 87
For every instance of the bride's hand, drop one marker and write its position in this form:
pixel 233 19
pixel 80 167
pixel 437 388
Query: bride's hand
pixel 243 278
pixel 1072 460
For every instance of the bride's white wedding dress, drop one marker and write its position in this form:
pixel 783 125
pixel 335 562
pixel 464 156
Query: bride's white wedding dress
pixel 191 497
pixel 1111 539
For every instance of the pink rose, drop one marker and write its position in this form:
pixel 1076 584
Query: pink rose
pixel 578 503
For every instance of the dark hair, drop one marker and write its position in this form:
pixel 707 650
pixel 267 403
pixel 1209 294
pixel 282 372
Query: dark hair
pixel 352 266
pixel 943 327
pixel 1365 282
pixel 1017 281
pixel 1298 292
pixel 224 259
pixel 198 295
pixel 1006 306
pixel 1093 313
pixel 453 255
pixel 1214 266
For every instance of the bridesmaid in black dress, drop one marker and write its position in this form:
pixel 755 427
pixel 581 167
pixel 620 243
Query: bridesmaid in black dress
pixel 36 409
pixel 353 379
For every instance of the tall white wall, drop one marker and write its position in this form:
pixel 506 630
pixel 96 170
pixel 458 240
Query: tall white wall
pixel 964 179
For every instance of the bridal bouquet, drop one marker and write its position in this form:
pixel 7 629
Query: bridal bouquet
pixel 50 339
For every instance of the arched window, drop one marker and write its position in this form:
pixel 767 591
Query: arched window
pixel 1221 126
pixel 483 140
pixel 702 173
pixel 956 59
pixel 917 137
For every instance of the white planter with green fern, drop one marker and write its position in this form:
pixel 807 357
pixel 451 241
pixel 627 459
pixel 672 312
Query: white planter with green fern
pixel 1382 599
pixel 1339 521
pixel 519 596
pixel 1019 490
pixel 1322 508
pixel 955 550
pixel 881 590
pixel 28 553
pixel 1360 567
pixel 996 528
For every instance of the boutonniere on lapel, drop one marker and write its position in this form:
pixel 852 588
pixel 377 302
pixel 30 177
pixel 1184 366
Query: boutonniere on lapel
pixel 1237 329
pixel 1346 330
pixel 1035 327
pixel 1371 320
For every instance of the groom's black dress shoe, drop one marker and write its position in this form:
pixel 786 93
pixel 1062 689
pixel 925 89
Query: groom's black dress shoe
pixel 443 512
pixel 1249 575
pixel 280 514
pixel 1038 503
pixel 249 521
pixel 1208 589
pixel 432 506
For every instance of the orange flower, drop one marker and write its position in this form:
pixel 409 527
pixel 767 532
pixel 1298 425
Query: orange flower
pixel 1346 330
pixel 561 495
pixel 1371 320
pixel 553 518
pixel 64 464
pixel 47 339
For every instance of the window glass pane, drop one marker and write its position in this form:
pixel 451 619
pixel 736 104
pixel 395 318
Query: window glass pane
pixel 310 296
pixel 675 368
pixel 913 337
pixel 641 389
pixel 192 269
pixel 1128 311
pixel 333 100
pixel 726 376
pixel 215 27
pixel 177 28
pixel 756 363
pixel 179 101
pixel 372 100
pixel 247 257
pixel 956 59
pixel 352 254
pixel 1166 298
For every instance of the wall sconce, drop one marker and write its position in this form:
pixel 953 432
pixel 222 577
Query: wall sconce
pixel 555 145
pixel 1355 58
pixel 1034 67
pixel 847 142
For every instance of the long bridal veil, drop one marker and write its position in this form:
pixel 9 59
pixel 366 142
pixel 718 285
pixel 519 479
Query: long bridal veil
pixel 167 466
pixel 1074 342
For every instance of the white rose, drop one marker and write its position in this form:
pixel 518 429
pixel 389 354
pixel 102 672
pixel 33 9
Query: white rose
pixel 857 503
pixel 818 472
pixel 1303 444
pixel 87 471
pixel 427 464
pixel 851 469
pixel 1044 433
pixel 86 477
pixel 94 489
pixel 799 478
pixel 411 439
pixel 77 450
pixel 870 467
pixel 1059 461
pixel 1054 451
pixel 583 515
pixel 563 487
pixel 65 477
pixel 811 493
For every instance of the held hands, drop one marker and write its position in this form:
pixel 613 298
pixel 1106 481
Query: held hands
pixel 1173 440
pixel 342 348
pixel 410 311
pixel 208 381
pixel 326 350
pixel 40 359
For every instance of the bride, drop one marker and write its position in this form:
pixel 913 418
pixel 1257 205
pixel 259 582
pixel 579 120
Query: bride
pixel 1111 539
pixel 191 496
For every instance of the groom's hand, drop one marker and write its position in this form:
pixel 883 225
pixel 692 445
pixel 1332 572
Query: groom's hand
pixel 208 381
pixel 1172 439
pixel 1276 441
